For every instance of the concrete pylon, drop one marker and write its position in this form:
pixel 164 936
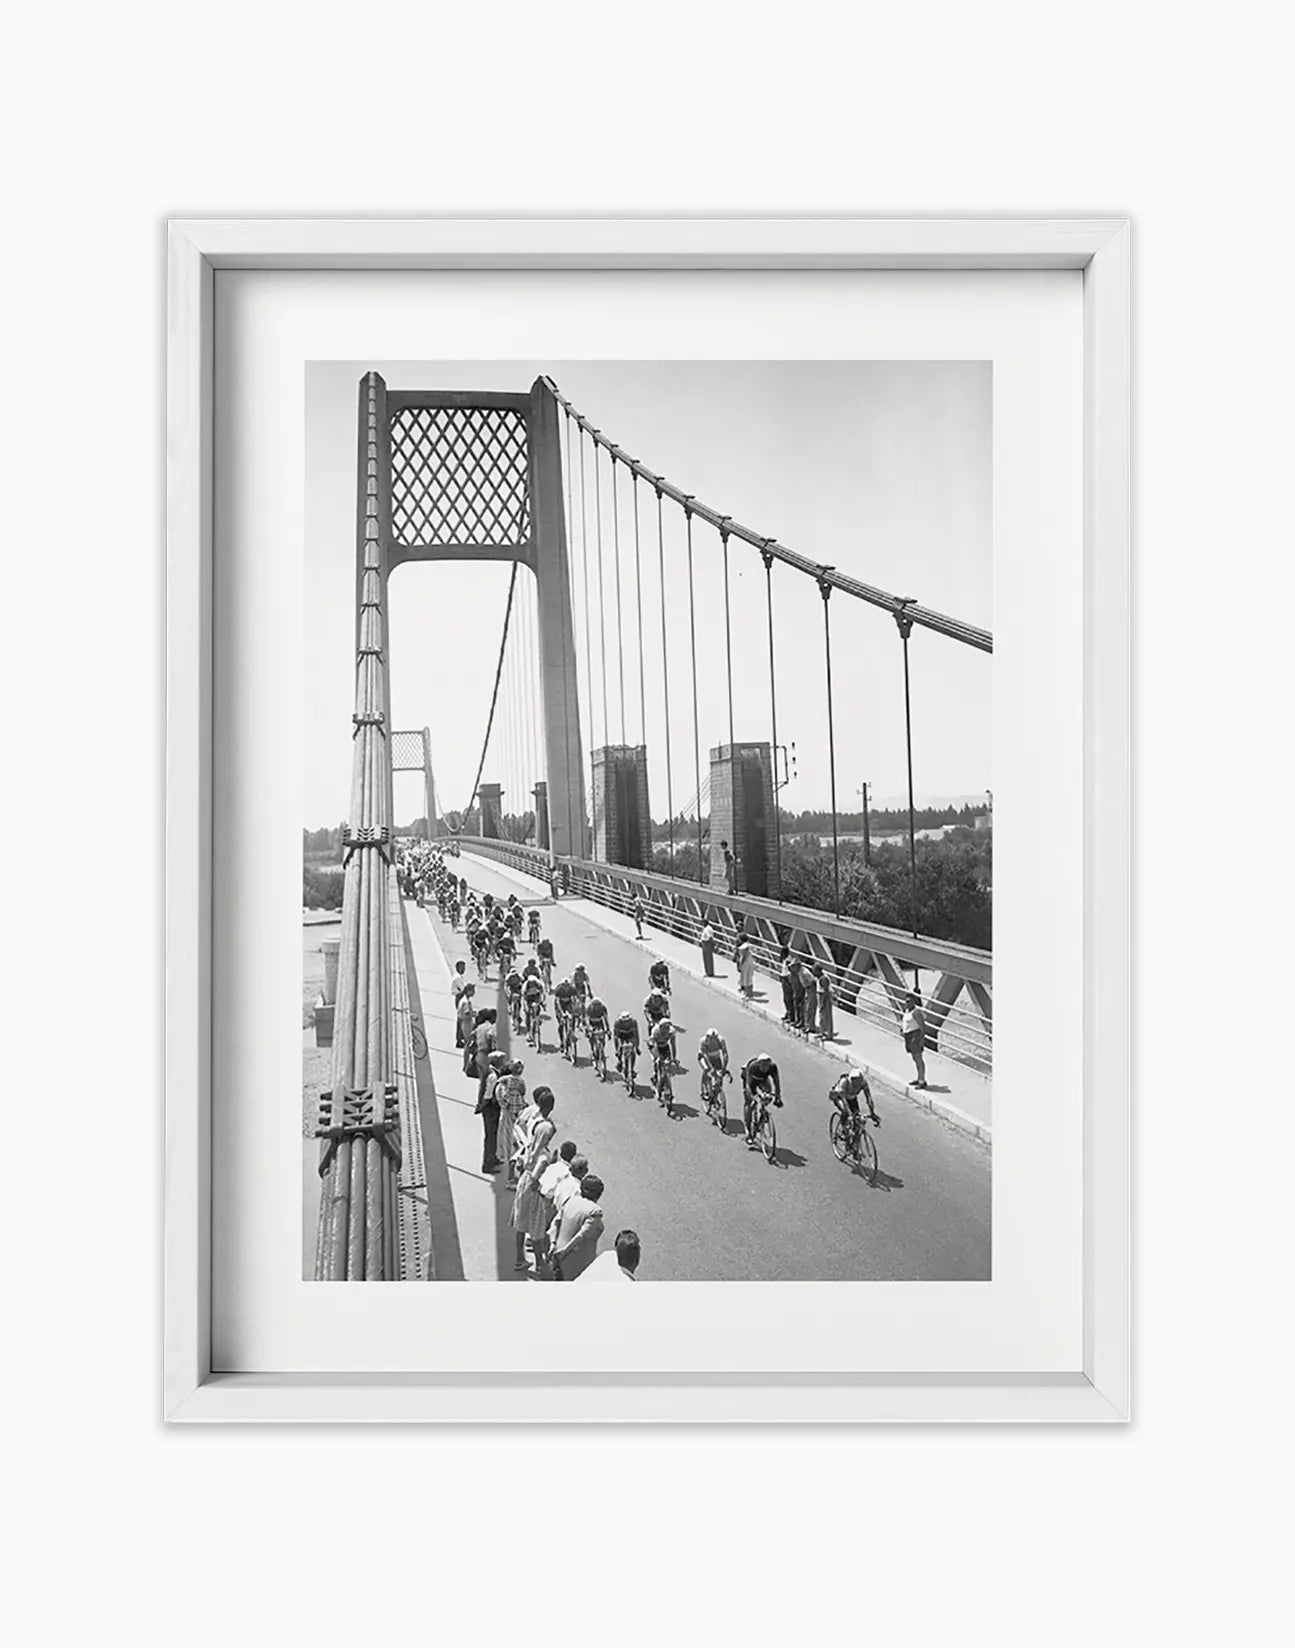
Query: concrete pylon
pixel 743 823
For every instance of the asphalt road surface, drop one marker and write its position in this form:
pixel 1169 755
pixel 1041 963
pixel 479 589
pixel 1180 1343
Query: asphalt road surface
pixel 708 1209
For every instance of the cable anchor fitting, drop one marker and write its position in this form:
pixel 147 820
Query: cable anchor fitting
pixel 903 622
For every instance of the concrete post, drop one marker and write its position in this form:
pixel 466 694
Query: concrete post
pixel 622 816
pixel 566 785
pixel 541 794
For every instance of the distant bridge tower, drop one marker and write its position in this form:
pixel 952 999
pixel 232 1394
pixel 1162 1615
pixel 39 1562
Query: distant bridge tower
pixel 469 475
pixel 412 752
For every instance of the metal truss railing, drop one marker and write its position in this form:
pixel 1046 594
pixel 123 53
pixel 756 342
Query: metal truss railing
pixel 865 963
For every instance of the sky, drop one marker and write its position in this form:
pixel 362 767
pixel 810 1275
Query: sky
pixel 880 468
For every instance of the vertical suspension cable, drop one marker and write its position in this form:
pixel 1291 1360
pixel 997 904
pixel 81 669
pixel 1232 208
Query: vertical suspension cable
pixel 602 604
pixel 620 640
pixel 766 555
pixel 696 742
pixel 574 815
pixel 905 625
pixel 638 595
pixel 825 590
pixel 665 674
pixel 584 568
pixel 728 637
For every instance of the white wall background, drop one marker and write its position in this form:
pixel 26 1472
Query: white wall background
pixel 114 117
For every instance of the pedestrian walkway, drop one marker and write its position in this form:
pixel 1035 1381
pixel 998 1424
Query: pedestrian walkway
pixel 961 1095
pixel 478 1203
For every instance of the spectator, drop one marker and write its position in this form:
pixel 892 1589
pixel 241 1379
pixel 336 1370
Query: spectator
pixel 730 867
pixel 913 1029
pixel 618 1264
pixel 557 1173
pixel 464 1025
pixel 809 1010
pixel 638 916
pixel 745 958
pixel 484 1042
pixel 536 1152
pixel 458 984
pixel 511 1094
pixel 784 975
pixel 488 1110
pixel 576 1230
pixel 708 949
pixel 798 993
pixel 566 1188
pixel 826 1022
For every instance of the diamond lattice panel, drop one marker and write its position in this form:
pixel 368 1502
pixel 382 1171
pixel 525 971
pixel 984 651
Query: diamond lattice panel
pixel 406 751
pixel 458 476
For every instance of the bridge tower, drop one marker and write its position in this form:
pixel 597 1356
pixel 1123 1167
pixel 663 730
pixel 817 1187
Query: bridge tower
pixel 471 475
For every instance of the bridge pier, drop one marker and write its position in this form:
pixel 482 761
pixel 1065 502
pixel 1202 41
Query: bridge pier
pixel 490 797
pixel 622 817
pixel 541 794
pixel 743 815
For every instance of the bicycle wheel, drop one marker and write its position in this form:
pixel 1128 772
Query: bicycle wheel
pixel 836 1132
pixel 721 1107
pixel 768 1135
pixel 867 1154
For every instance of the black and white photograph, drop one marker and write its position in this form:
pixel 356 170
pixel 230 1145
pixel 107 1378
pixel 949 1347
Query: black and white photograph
pixel 647 830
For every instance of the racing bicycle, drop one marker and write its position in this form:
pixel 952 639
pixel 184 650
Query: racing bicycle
pixel 662 1085
pixel 851 1140
pixel 627 1062
pixel 534 1013
pixel 598 1051
pixel 763 1130
pixel 712 1094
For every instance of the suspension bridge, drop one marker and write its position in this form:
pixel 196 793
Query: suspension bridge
pixel 591 654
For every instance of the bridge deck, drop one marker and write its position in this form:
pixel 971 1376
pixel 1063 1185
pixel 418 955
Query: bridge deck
pixel 704 1206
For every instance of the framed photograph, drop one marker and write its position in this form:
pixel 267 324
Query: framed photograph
pixel 648 802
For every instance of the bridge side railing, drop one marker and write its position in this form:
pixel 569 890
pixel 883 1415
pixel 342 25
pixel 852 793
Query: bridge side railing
pixel 863 961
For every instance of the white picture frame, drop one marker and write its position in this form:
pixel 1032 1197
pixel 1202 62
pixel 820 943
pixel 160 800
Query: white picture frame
pixel 1100 249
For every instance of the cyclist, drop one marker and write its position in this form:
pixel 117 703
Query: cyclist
pixel 513 990
pixel 533 997
pixel 505 949
pixel 481 948
pixel 584 990
pixel 656 1008
pixel 544 950
pixel 627 1045
pixel 712 1050
pixel 844 1094
pixel 533 922
pixel 452 911
pixel 564 999
pixel 759 1073
pixel 661 1040
pixel 659 977
pixel 531 969
pixel 596 1021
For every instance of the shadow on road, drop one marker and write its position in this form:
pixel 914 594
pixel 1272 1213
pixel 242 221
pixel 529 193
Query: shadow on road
pixel 683 1112
pixel 783 1157
pixel 884 1181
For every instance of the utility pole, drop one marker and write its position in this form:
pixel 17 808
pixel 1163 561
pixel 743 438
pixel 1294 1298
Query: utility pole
pixel 867 836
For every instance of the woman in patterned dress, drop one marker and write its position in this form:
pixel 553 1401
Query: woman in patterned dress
pixel 529 1218
pixel 510 1095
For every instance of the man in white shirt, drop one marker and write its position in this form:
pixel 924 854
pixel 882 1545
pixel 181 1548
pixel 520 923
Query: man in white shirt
pixel 575 1230
pixel 618 1264
pixel 557 1171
